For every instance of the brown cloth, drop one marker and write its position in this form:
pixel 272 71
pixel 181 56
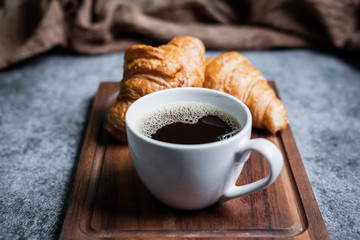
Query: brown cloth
pixel 30 27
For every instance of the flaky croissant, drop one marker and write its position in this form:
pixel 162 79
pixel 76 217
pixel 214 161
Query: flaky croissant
pixel 232 73
pixel 180 63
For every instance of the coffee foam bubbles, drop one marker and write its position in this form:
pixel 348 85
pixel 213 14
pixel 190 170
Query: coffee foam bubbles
pixel 189 113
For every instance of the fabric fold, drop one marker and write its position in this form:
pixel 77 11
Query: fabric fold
pixel 31 27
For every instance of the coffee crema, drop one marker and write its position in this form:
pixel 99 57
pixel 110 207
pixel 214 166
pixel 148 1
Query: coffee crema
pixel 188 123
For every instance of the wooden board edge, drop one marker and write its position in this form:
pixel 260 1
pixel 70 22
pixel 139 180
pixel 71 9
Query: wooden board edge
pixel 316 225
pixel 71 224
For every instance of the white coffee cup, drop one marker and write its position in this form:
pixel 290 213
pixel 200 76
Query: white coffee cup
pixel 199 175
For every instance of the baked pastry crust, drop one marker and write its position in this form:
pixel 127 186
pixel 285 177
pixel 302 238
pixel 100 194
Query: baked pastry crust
pixel 180 63
pixel 232 73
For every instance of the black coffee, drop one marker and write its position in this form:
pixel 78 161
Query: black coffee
pixel 188 123
pixel 206 129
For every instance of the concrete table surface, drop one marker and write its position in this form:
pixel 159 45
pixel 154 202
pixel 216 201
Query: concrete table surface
pixel 45 103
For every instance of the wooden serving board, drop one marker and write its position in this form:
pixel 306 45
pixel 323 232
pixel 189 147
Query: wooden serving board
pixel 109 201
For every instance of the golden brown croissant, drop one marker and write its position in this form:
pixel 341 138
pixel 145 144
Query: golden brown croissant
pixel 232 73
pixel 180 63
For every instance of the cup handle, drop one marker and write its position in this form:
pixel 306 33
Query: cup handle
pixel 274 158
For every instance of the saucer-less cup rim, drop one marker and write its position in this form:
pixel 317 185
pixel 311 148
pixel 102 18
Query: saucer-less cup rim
pixel 189 194
pixel 131 125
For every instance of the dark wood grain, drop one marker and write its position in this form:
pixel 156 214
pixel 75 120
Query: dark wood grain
pixel 109 200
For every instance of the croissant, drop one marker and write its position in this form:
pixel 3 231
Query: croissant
pixel 180 63
pixel 232 73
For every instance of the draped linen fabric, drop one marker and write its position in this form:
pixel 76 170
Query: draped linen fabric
pixel 31 27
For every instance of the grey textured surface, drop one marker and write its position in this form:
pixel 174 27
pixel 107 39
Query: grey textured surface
pixel 45 102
